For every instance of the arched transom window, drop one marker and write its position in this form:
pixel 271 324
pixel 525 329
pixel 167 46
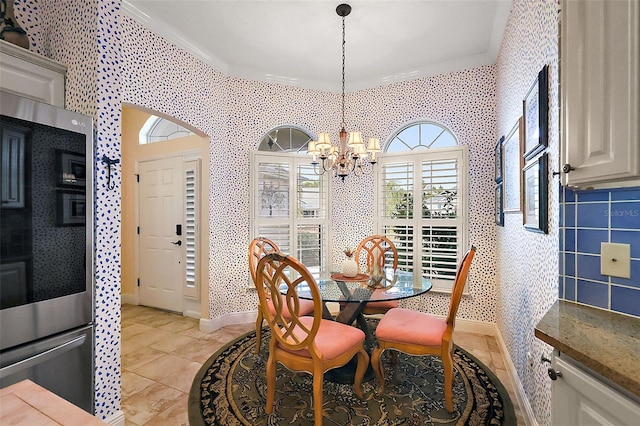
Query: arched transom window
pixel 285 138
pixel 158 129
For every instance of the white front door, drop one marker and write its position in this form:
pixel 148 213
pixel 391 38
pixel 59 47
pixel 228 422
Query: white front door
pixel 161 249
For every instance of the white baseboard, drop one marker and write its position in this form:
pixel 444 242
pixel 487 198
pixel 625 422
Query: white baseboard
pixel 473 326
pixel 129 299
pixel 209 325
pixel 116 419
pixel 523 401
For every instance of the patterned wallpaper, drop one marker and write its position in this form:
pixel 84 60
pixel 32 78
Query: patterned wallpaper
pixel 236 113
pixel 528 262
pixel 85 36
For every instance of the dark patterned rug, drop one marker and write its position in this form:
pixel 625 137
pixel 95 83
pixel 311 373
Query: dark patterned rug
pixel 230 389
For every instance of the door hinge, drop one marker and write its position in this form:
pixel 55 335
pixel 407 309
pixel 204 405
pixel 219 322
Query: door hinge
pixel 138 230
pixel 138 282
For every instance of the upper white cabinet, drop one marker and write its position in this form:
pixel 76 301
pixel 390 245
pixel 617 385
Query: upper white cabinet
pixel 599 84
pixel 31 75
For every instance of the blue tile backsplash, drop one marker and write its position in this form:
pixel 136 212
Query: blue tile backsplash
pixel 587 219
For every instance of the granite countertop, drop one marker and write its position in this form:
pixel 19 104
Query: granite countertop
pixel 604 341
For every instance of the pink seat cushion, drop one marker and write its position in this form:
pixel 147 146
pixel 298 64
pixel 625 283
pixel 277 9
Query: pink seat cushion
pixel 306 308
pixel 333 338
pixel 406 326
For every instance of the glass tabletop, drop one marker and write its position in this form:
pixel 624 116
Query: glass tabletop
pixel 391 286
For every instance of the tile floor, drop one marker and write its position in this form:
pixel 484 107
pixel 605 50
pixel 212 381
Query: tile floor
pixel 162 351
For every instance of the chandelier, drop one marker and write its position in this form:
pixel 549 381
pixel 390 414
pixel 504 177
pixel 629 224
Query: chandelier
pixel 348 157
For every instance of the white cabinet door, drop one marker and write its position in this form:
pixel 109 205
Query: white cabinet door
pixel 578 398
pixel 599 84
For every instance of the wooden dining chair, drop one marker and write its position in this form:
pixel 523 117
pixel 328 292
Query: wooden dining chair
pixel 380 249
pixel 258 248
pixel 303 343
pixel 418 333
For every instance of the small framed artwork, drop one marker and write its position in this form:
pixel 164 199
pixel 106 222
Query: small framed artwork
pixel 513 163
pixel 499 213
pixel 535 179
pixel 535 113
pixel 71 208
pixel 498 160
pixel 71 169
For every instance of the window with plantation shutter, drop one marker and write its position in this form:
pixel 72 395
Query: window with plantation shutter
pixel 422 201
pixel 191 228
pixel 289 201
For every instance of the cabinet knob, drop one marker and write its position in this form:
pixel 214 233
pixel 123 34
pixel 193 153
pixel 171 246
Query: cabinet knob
pixel 554 374
pixel 544 359
pixel 567 168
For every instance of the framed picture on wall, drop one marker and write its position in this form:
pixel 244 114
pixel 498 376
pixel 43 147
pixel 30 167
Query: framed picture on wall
pixel 512 164
pixel 535 205
pixel 71 169
pixel 71 208
pixel 498 161
pixel 535 113
pixel 499 213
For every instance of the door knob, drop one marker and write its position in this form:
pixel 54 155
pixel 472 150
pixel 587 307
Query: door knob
pixel 554 374
pixel 178 243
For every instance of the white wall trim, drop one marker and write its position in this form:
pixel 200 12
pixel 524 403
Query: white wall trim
pixel 209 325
pixel 473 326
pixel 116 419
pixel 129 299
pixel 523 401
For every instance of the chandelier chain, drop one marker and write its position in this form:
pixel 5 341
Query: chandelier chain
pixel 343 61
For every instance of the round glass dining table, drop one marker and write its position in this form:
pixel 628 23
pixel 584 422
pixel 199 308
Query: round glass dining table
pixel 353 295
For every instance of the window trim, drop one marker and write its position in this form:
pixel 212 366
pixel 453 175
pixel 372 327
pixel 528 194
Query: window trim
pixel 293 221
pixel 462 153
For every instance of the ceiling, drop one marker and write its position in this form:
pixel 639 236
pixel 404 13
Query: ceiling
pixel 299 42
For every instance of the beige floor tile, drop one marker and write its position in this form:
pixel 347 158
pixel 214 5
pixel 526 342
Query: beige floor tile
pixel 153 400
pixel 134 329
pixel 199 351
pixel 172 342
pixel 175 415
pixel 139 357
pixel 182 378
pixel 133 383
pixel 152 336
pixel 470 341
pixel 179 325
pixel 498 360
pixel 161 367
pixel 130 345
pixel 492 342
pixel 483 356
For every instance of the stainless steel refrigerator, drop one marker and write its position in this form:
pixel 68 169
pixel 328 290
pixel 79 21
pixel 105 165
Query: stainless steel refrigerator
pixel 46 248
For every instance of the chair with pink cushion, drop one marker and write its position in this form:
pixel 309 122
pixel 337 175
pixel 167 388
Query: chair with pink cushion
pixel 303 343
pixel 377 249
pixel 418 333
pixel 258 248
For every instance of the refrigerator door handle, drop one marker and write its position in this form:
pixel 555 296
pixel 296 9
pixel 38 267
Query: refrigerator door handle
pixel 42 356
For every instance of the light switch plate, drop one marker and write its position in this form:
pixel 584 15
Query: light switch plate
pixel 615 259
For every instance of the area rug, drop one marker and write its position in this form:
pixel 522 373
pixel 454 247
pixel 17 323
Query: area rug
pixel 230 389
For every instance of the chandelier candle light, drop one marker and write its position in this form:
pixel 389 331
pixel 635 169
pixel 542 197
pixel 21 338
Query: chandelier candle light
pixel 349 156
